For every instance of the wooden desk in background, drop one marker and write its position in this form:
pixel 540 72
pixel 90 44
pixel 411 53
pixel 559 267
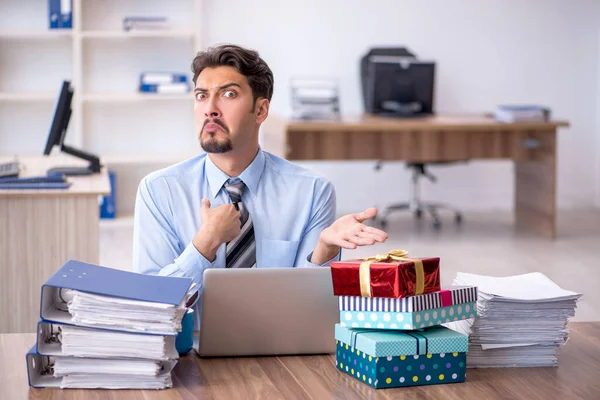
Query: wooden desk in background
pixel 39 231
pixel 316 377
pixel 532 147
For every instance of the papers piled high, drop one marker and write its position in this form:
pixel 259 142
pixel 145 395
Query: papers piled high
pixel 83 342
pixel 107 312
pixel 521 320
pixel 106 328
pixel 522 113
pixel 113 381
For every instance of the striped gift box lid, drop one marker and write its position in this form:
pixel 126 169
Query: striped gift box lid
pixel 446 297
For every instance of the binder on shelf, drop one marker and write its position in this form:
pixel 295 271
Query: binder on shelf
pixel 108 206
pixel 163 82
pixel 60 14
pixel 166 88
pixel 92 296
pixel 53 13
pixel 155 78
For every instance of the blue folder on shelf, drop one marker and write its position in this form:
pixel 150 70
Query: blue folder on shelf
pixel 94 279
pixel 60 14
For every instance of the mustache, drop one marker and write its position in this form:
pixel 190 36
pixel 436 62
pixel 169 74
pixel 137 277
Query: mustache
pixel 215 121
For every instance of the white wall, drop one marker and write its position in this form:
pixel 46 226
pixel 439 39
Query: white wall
pixel 491 52
pixel 598 120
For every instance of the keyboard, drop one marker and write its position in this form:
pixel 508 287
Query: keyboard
pixel 9 169
pixel 35 182
pixel 34 179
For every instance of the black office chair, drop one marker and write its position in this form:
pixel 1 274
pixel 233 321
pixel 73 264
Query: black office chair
pixel 415 204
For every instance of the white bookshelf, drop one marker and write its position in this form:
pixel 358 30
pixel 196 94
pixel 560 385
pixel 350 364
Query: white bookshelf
pixel 35 34
pixel 126 97
pixel 103 62
pixel 174 33
pixel 33 97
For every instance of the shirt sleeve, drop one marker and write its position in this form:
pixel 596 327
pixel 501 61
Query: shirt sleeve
pixel 322 216
pixel 156 247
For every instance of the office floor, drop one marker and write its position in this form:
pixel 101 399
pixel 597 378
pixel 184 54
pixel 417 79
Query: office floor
pixel 486 244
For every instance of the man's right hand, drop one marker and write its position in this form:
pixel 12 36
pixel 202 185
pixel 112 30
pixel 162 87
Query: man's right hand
pixel 219 225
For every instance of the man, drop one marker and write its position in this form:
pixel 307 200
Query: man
pixel 238 206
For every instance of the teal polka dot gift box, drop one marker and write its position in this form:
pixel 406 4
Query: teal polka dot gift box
pixel 407 320
pixel 414 312
pixel 386 359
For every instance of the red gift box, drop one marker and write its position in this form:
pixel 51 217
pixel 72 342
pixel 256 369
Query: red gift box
pixel 389 275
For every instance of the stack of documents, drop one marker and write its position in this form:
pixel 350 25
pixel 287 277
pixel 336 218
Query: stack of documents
pixel 108 312
pixel 522 113
pixel 522 320
pixel 106 328
pixel 144 23
pixel 164 82
pixel 84 342
pixel 111 381
pixel 315 98
pixel 65 366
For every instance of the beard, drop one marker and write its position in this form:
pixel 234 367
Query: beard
pixel 212 144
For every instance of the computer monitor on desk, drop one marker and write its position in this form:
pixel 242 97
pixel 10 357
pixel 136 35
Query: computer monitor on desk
pixel 58 131
pixel 396 84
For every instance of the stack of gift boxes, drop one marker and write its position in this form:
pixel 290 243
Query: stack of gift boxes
pixel 391 311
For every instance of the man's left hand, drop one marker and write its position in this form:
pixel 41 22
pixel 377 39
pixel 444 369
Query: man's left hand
pixel 347 232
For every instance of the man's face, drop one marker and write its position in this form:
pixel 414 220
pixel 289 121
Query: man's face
pixel 225 111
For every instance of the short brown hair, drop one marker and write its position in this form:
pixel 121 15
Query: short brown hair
pixel 246 62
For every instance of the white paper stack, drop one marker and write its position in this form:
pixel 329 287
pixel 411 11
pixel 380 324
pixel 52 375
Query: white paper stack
pixel 64 366
pixel 144 23
pixel 82 342
pixel 522 320
pixel 315 98
pixel 521 113
pixel 113 374
pixel 100 311
pixel 107 328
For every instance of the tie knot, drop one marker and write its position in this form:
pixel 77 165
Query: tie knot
pixel 235 190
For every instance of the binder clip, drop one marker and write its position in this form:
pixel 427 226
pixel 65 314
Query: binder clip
pixel 54 337
pixel 48 366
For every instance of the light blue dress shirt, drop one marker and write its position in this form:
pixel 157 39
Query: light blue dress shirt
pixel 289 205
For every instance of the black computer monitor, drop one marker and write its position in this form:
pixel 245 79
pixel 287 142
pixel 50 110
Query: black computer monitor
pixel 399 87
pixel 58 131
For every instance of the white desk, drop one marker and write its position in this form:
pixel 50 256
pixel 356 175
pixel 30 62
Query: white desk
pixel 39 231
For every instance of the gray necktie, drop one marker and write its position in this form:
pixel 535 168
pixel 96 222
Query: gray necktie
pixel 241 251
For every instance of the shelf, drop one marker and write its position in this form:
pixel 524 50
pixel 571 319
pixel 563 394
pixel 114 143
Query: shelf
pixel 103 62
pixel 133 97
pixel 36 35
pixel 112 159
pixel 29 97
pixel 183 34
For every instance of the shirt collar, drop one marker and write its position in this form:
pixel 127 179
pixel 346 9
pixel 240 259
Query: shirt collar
pixel 250 176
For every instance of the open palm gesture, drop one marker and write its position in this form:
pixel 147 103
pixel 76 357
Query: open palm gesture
pixel 349 231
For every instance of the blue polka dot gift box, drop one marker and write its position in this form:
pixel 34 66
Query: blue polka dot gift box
pixel 409 313
pixel 386 359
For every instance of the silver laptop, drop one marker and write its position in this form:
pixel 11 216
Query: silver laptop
pixel 267 311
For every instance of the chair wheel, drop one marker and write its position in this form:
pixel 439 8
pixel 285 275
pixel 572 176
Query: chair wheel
pixel 458 219
pixel 418 213
pixel 437 224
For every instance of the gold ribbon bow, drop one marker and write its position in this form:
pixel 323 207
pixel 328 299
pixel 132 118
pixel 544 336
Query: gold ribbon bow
pixel 394 255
